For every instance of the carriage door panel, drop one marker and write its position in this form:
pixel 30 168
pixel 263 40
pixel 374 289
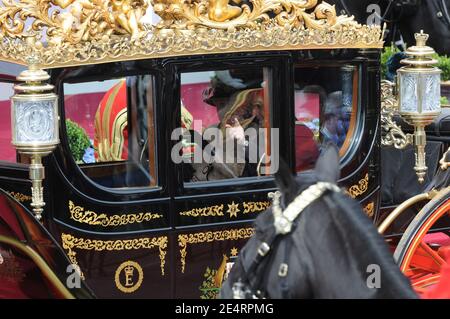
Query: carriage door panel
pixel 110 207
pixel 225 155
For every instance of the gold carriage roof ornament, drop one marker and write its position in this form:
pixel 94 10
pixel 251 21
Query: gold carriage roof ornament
pixel 54 33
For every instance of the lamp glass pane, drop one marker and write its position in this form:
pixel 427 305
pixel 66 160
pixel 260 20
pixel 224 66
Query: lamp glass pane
pixel 431 92
pixel 408 92
pixel 35 121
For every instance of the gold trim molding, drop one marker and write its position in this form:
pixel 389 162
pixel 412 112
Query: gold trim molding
pixel 20 197
pixel 207 237
pixel 359 189
pixel 81 215
pixel 232 209
pixel 56 33
pixel 70 243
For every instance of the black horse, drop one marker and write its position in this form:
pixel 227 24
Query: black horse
pixel 404 18
pixel 331 249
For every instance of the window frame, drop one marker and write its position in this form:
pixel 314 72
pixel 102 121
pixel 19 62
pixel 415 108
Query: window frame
pixel 160 191
pixel 278 64
pixel 353 139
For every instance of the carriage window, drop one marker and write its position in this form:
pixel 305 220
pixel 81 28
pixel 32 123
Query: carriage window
pixel 7 151
pixel 326 104
pixel 111 131
pixel 225 121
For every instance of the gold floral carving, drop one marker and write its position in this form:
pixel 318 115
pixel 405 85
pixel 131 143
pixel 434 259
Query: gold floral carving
pixel 56 33
pixel 392 134
pixel 70 243
pixel 81 215
pixel 216 210
pixel 253 207
pixel 71 21
pixel 220 14
pixel 20 197
pixel 360 188
pixel 232 209
pixel 208 288
pixel 206 237
pixel 368 209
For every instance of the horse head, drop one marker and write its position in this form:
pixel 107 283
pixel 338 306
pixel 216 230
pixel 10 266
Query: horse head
pixel 315 242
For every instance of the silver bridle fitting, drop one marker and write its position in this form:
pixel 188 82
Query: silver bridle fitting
pixel 283 220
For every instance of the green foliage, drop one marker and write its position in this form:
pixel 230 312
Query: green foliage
pixel 385 55
pixel 78 140
pixel 444 62
pixel 444 65
pixel 444 100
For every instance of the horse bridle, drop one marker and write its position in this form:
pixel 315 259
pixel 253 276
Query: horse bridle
pixel 284 223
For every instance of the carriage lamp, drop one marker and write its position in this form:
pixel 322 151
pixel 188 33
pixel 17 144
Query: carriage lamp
pixel 35 126
pixel 419 95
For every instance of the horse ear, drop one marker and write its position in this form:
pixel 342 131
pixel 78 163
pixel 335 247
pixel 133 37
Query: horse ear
pixel 285 181
pixel 327 167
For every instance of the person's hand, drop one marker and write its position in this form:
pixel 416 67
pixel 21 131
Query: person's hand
pixel 235 131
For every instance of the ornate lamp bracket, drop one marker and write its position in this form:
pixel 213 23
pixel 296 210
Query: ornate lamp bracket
pixel 35 123
pixel 392 134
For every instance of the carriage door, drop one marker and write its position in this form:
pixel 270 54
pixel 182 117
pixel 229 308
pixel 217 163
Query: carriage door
pixel 112 217
pixel 223 152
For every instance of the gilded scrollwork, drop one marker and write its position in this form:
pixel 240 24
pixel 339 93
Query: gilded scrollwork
pixel 206 237
pixel 392 134
pixel 20 197
pixel 220 14
pixel 55 33
pixel 70 21
pixel 213 211
pixel 82 215
pixel 360 188
pixel 70 243
pixel 254 207
pixel 369 209
pixel 232 209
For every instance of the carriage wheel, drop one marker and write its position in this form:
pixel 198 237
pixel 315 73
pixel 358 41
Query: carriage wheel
pixel 420 252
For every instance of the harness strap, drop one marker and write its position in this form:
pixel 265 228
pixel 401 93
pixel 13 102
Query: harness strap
pixel 284 268
pixel 264 250
pixel 283 222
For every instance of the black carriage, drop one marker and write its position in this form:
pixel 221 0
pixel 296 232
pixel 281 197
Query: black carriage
pixel 140 224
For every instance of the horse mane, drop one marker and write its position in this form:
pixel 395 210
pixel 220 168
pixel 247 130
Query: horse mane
pixel 360 235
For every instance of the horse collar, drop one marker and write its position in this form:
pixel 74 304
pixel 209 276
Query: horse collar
pixel 283 220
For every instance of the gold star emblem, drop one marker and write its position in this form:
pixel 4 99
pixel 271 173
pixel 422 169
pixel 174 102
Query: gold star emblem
pixel 233 209
pixel 234 252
